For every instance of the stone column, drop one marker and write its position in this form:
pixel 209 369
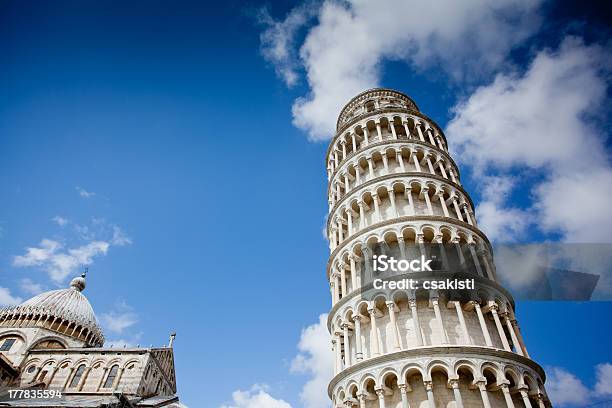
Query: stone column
pixel 455 386
pixel 83 379
pixel 456 206
pixel 525 397
pixel 403 389
pixel 400 160
pixel 347 345
pixel 442 170
pixel 392 199
pixel 452 175
pixel 467 214
pixel 392 126
pixel 429 165
pixel 338 353
pixel 378 129
pixel 410 202
pixel 118 379
pixel 500 330
pixel 102 378
pixel 515 340
pixel 373 333
pixel 377 212
pixel 520 337
pixel 354 141
pixel 385 163
pixel 440 195
pixel 506 391
pixel 483 394
pixel 436 306
pixel 336 286
pixel 365 135
pixel 406 128
pixel 381 397
pixel 362 400
pixel 430 395
pixel 417 125
pixel 361 214
pixel 343 144
pixel 342 268
pixel 349 219
pixel 425 191
pixel 428 131
pixel 417 165
pixel 370 167
pixel 483 324
pixel 392 318
pixel 464 328
pixel 358 352
pixel 353 272
pixel 415 322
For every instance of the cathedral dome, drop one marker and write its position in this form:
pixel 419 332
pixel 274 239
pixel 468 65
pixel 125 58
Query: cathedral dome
pixel 63 310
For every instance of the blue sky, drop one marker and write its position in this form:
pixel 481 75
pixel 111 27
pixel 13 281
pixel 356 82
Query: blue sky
pixel 164 145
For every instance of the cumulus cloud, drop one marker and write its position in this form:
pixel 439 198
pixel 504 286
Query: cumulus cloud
pixel 315 359
pixel 120 318
pixel 604 379
pixel 278 40
pixel 564 388
pixel 31 287
pixel 60 260
pixel 7 299
pixel 343 51
pixel 540 122
pixel 256 397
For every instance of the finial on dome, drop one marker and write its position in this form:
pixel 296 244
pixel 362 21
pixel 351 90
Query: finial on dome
pixel 78 283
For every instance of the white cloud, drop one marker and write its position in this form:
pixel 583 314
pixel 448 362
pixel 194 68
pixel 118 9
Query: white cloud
pixel 59 261
pixel 256 397
pixel 120 318
pixel 498 220
pixel 604 379
pixel 59 220
pixel 31 287
pixel 342 53
pixel 7 299
pixel 278 40
pixel 316 360
pixel 564 388
pixel 84 193
pixel 538 122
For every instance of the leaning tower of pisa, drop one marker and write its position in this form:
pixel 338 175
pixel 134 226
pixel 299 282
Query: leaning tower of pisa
pixel 393 184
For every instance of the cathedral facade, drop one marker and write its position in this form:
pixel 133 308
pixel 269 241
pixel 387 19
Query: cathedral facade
pixel 394 188
pixel 52 351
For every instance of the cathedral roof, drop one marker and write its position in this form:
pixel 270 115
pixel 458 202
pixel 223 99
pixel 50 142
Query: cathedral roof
pixel 66 310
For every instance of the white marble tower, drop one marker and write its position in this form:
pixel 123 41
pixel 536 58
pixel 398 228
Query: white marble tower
pixel 392 182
